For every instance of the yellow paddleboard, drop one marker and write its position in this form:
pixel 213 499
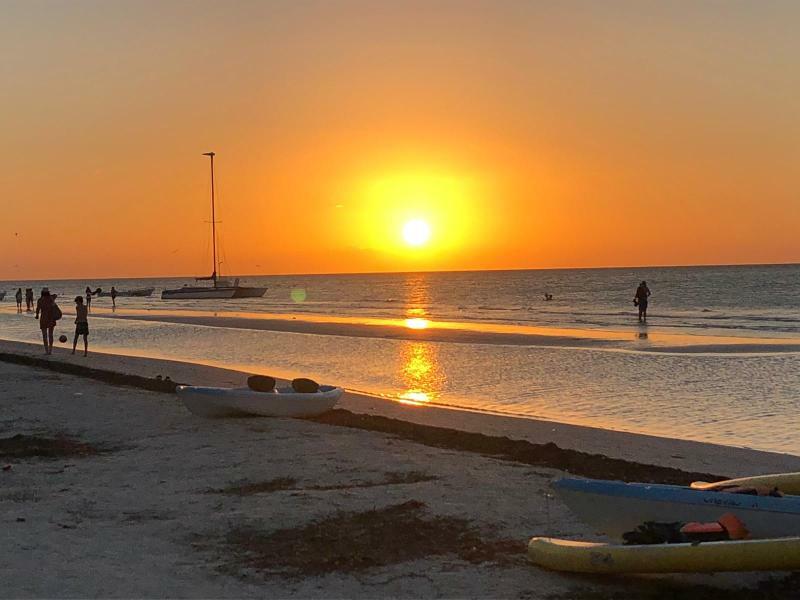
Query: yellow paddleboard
pixel 779 554
pixel 788 483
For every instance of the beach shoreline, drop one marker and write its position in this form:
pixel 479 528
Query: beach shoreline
pixel 662 451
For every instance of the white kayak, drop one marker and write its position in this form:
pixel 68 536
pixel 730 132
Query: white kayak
pixel 215 402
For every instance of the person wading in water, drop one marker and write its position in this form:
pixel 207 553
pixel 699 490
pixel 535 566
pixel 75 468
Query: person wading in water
pixel 640 300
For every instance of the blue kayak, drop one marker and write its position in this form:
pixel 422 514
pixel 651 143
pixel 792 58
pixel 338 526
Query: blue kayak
pixel 615 507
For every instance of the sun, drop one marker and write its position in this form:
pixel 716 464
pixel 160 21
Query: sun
pixel 416 232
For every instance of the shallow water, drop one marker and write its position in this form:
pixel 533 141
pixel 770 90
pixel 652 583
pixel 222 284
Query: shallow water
pixel 743 399
pixel 736 300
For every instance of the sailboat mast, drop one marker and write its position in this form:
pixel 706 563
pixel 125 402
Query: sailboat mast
pixel 213 223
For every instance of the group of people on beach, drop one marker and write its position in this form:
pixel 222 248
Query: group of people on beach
pixel 28 300
pixel 97 292
pixel 49 313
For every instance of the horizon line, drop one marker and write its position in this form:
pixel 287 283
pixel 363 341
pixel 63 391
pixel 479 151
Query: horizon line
pixel 498 270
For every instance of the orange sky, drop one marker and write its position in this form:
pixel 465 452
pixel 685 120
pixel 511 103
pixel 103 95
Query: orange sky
pixel 528 134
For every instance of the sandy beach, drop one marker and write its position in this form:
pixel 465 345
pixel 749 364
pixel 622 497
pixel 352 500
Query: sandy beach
pixel 156 502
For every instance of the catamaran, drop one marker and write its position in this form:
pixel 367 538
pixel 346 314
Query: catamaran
pixel 220 288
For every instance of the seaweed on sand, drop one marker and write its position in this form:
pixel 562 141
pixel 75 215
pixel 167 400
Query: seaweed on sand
pixel 543 455
pixel 250 488
pixel 32 446
pixel 356 541
pixel 155 384
pixel 281 484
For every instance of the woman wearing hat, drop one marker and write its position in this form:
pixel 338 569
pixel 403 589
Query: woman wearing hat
pixel 48 313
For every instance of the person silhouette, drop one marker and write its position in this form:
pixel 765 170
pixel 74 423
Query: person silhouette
pixel 46 313
pixel 113 298
pixel 81 325
pixel 640 299
pixel 18 298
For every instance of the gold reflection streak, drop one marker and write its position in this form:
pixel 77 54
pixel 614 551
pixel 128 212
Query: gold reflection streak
pixel 418 371
pixel 416 288
pixel 418 358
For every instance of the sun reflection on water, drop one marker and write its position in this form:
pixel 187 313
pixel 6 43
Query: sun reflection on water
pixel 414 397
pixel 417 323
pixel 420 372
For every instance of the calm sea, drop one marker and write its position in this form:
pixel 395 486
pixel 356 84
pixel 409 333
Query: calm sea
pixel 745 399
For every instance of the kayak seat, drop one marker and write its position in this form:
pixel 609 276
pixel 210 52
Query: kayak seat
pixel 261 383
pixel 303 385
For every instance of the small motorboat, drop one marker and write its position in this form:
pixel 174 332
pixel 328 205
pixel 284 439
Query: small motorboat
pixel 191 292
pixel 215 402
pixel 614 507
pixel 706 557
pixel 134 293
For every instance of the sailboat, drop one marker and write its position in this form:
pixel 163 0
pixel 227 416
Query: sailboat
pixel 220 288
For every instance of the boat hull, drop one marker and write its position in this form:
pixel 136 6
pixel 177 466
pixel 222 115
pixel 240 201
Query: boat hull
pixel 249 292
pixel 708 557
pixel 197 293
pixel 140 293
pixel 214 402
pixel 614 507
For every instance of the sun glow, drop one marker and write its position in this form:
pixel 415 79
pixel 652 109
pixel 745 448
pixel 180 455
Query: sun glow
pixel 418 218
pixel 417 323
pixel 416 232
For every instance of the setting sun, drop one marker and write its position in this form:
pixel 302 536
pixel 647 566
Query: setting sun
pixel 416 232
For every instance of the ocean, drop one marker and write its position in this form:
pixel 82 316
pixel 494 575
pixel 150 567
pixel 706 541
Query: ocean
pixel 744 393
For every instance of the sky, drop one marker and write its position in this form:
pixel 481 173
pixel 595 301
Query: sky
pixel 523 134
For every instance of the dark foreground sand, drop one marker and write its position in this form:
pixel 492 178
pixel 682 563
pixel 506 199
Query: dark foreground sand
pixel 119 491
